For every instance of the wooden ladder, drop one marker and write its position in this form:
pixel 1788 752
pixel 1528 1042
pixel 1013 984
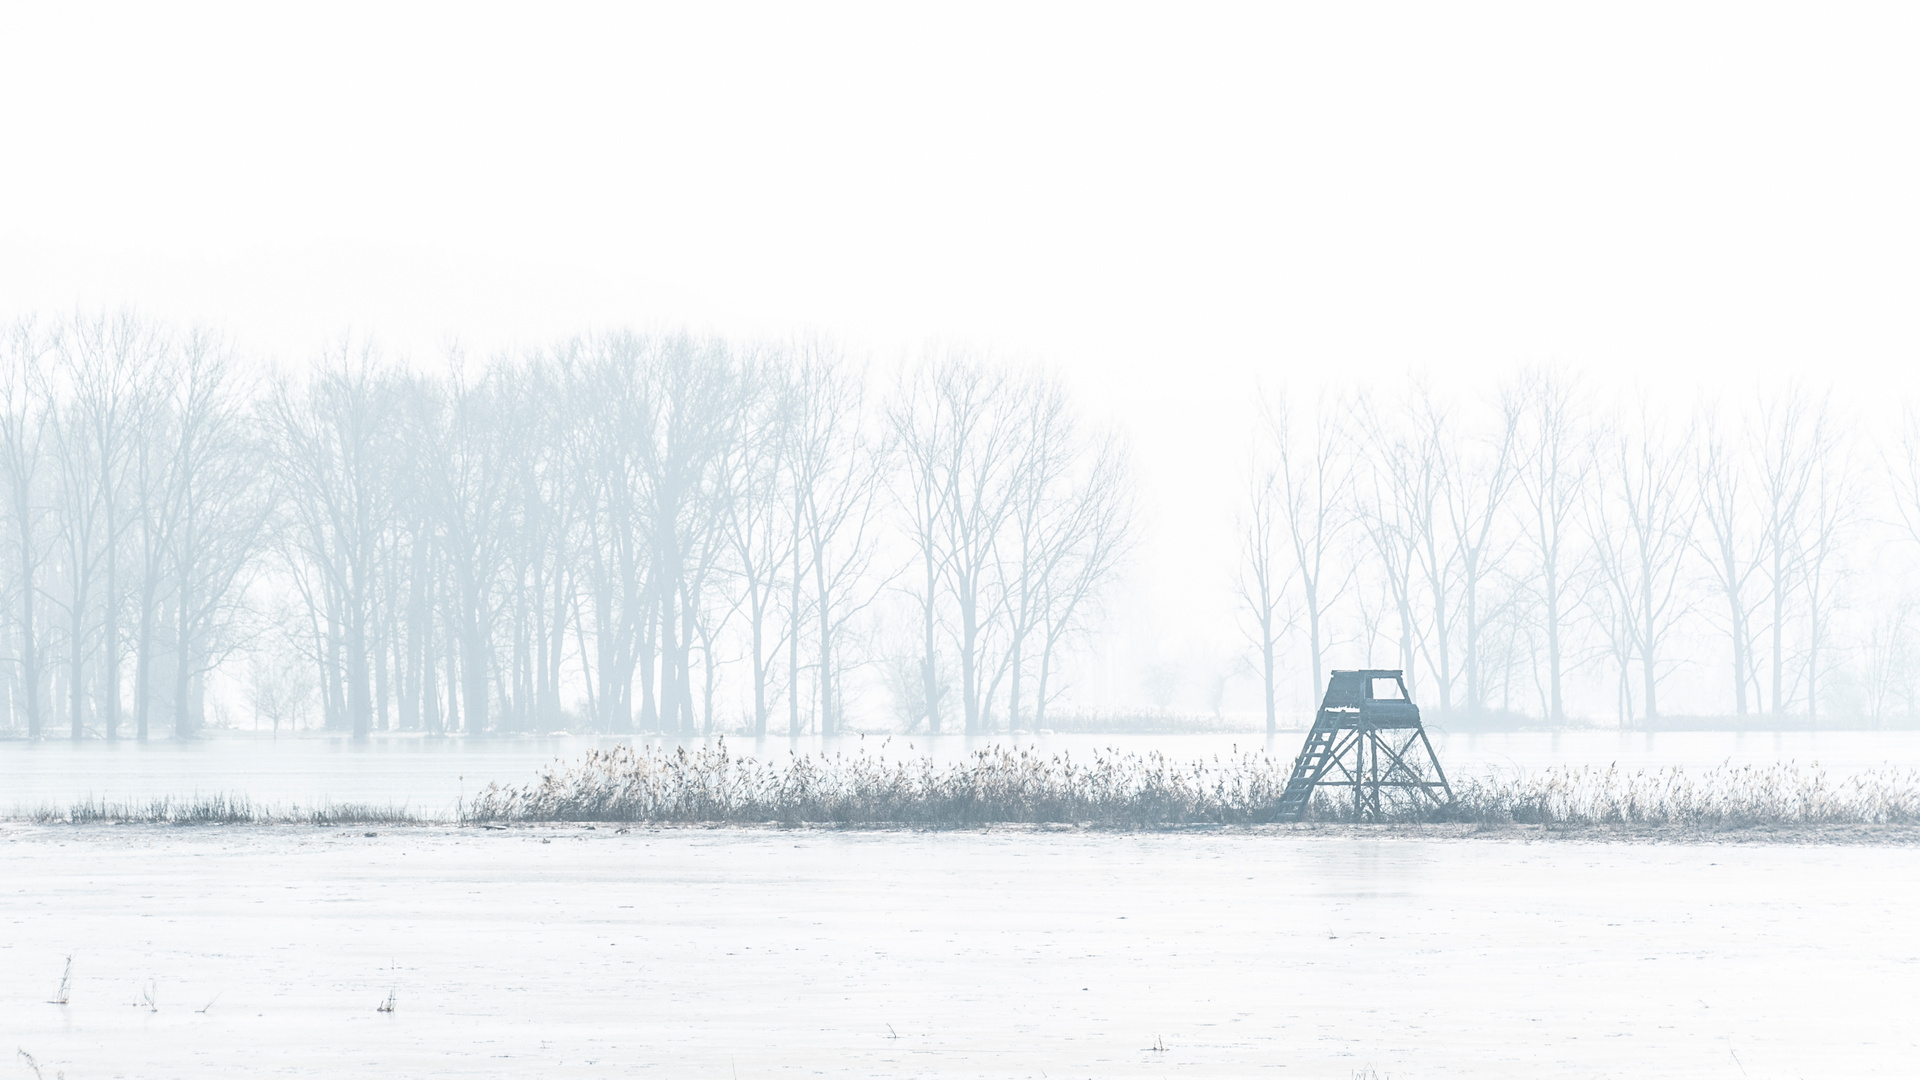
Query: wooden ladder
pixel 1313 760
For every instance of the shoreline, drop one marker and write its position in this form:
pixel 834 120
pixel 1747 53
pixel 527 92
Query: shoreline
pixel 1817 835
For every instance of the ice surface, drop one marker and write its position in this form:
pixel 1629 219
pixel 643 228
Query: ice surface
pixel 688 953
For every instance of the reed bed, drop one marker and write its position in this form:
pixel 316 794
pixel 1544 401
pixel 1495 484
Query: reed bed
pixel 1007 785
pixel 218 810
pixel 1726 797
pixel 1001 785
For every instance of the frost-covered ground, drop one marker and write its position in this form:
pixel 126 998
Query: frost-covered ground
pixel 432 777
pixel 695 953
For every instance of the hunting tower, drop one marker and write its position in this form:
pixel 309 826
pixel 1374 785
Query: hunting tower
pixel 1363 738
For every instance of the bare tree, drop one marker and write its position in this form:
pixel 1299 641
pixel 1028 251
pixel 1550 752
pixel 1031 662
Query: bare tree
pixel 616 565
pixel 759 524
pixel 156 485
pixel 332 440
pixel 1067 525
pixel 1315 478
pixel 24 350
pixel 222 496
pixel 838 474
pixel 1731 546
pixel 1264 574
pixel 1902 464
pixel 1890 661
pixel 471 488
pixel 1478 477
pixel 1792 435
pixel 1642 528
pixel 957 423
pixel 1046 451
pixel 1393 509
pixel 1555 456
pixel 279 686
pixel 920 434
pixel 101 388
pixel 1407 520
pixel 1833 508
pixel 691 410
pixel 1086 539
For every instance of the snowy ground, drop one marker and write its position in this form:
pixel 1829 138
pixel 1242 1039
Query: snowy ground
pixel 753 953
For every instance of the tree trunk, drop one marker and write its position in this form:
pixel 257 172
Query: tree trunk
pixel 1014 660
pixel 1556 709
pixel 1779 621
pixel 969 645
pixel 1267 673
pixel 452 635
pixel 76 677
pixel 650 645
pixel 29 643
pixel 359 685
pixel 474 666
pixel 110 626
pixel 413 688
pixel 829 723
pixel 758 614
pixel 1648 668
pixel 1475 704
pixel 929 670
pixel 793 630
pixel 1313 635
pixel 143 658
pixel 183 713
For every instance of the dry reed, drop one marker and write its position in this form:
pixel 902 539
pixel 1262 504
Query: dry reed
pixel 216 810
pixel 1006 785
pixel 1109 789
pixel 1000 785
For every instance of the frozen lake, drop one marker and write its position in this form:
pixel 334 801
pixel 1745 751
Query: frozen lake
pixel 431 776
pixel 751 953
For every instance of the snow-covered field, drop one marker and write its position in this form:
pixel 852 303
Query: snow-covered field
pixel 721 953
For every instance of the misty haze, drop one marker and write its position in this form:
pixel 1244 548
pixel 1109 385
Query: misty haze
pixel 1005 541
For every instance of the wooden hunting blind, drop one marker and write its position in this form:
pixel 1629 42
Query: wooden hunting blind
pixel 1364 737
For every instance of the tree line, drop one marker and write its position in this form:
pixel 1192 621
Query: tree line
pixel 674 533
pixel 622 532
pixel 1498 547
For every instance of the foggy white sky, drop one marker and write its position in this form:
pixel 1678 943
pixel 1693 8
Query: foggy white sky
pixel 1165 205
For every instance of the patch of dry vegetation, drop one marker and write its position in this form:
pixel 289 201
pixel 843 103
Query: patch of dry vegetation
pixel 1006 785
pixel 1727 797
pixel 216 810
pixel 1009 786
pixel 993 786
